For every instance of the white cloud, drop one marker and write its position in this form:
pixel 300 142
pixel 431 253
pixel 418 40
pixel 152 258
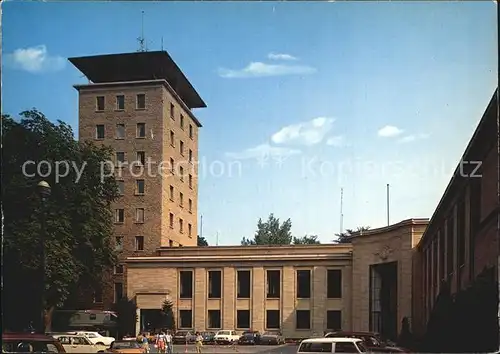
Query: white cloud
pixel 389 131
pixel 337 141
pixel 263 151
pixel 34 60
pixel 259 69
pixel 413 137
pixel 281 56
pixel 305 133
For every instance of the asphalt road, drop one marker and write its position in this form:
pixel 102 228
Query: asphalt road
pixel 243 349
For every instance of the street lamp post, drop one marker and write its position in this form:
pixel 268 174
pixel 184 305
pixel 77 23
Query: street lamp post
pixel 44 191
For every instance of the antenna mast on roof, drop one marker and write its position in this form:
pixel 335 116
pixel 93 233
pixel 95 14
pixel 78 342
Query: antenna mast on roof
pixel 341 210
pixel 141 39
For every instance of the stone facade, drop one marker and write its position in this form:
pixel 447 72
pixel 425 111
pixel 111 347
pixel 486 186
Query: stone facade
pixel 154 279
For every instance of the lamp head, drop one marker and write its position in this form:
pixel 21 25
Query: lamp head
pixel 44 189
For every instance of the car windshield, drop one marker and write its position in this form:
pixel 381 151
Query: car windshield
pixel 181 333
pixel 270 333
pixel 223 333
pixel 125 345
pixel 249 334
pixel 361 347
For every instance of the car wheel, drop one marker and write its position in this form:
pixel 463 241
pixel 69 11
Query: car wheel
pixel 99 343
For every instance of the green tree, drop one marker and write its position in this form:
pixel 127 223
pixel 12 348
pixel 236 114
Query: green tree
pixel 78 216
pixel 345 237
pixel 306 240
pixel 126 311
pixel 167 312
pixel 271 232
pixel 202 241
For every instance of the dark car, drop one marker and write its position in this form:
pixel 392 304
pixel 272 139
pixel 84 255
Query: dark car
pixel 249 338
pixel 29 342
pixel 208 337
pixel 272 338
pixel 372 341
pixel 181 337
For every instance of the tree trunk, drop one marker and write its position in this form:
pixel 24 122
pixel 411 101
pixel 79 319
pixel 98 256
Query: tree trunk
pixel 48 319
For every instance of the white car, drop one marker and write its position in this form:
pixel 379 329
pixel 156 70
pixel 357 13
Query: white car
pixel 226 337
pixel 331 345
pixel 97 338
pixel 76 343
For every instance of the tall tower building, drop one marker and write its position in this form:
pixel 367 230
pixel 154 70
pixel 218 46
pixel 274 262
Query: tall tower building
pixel 140 104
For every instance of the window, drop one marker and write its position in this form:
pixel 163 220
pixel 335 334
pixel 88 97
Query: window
pixel 120 156
pixel 303 284
pixel 181 226
pixel 181 148
pixel 273 319
pixel 461 233
pixel 120 131
pixel 190 206
pixel 172 166
pixel 190 230
pixel 190 155
pixel 172 138
pixel 214 319
pixel 119 243
pixel 182 122
pixel 141 157
pixel 100 103
pixel 141 101
pixel 118 291
pixel 181 199
pixel 190 131
pixel 186 284
pixel 303 319
pixel 121 187
pixel 185 319
pixel 139 186
pixel 172 193
pixel 119 215
pixel 141 130
pixel 334 320
pixel 273 284
pixel 214 284
pixel 317 347
pixel 334 283
pixel 243 319
pixel 120 102
pixel 190 181
pixel 172 111
pixel 450 235
pixel 119 269
pixel 97 294
pixel 243 284
pixel 181 173
pixel 99 131
pixel 171 220
pixel 139 243
pixel 345 347
pixel 139 215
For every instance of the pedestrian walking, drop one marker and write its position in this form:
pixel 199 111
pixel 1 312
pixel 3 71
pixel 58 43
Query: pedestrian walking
pixel 145 343
pixel 161 342
pixel 169 342
pixel 199 342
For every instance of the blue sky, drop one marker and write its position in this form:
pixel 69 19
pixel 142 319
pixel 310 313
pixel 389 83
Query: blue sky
pixel 303 98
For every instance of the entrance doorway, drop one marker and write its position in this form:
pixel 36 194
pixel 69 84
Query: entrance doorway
pixel 384 299
pixel 151 319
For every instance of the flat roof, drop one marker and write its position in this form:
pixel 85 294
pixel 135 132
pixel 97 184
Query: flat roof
pixel 139 66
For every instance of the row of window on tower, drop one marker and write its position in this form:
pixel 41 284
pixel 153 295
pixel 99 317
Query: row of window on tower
pixel 140 104
pixel 273 319
pixel 140 133
pixel 140 188
pixel 273 284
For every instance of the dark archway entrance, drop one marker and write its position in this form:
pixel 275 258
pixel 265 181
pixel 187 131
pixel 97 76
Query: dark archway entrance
pixel 151 319
pixel 384 299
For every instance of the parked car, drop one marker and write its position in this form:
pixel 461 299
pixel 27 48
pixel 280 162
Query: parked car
pixel 124 346
pixel 29 342
pixel 372 341
pixel 331 345
pixel 74 343
pixel 208 337
pixel 226 337
pixel 181 337
pixel 249 338
pixel 272 338
pixel 97 338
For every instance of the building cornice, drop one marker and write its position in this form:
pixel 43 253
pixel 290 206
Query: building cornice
pixel 393 227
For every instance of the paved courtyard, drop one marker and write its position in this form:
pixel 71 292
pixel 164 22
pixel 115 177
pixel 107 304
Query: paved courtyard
pixel 244 349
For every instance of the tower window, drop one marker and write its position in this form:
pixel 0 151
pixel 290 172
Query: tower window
pixel 141 101
pixel 100 103
pixel 120 102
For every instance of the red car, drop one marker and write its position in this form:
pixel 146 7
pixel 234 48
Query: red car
pixel 372 341
pixel 30 343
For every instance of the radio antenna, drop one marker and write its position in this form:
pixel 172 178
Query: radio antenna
pixel 141 39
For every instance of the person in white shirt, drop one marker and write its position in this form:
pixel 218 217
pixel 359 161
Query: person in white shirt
pixel 168 340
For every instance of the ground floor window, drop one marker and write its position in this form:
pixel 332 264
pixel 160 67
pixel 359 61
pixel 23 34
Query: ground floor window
pixel 273 319
pixel 214 320
pixel 303 319
pixel 185 319
pixel 334 320
pixel 243 319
